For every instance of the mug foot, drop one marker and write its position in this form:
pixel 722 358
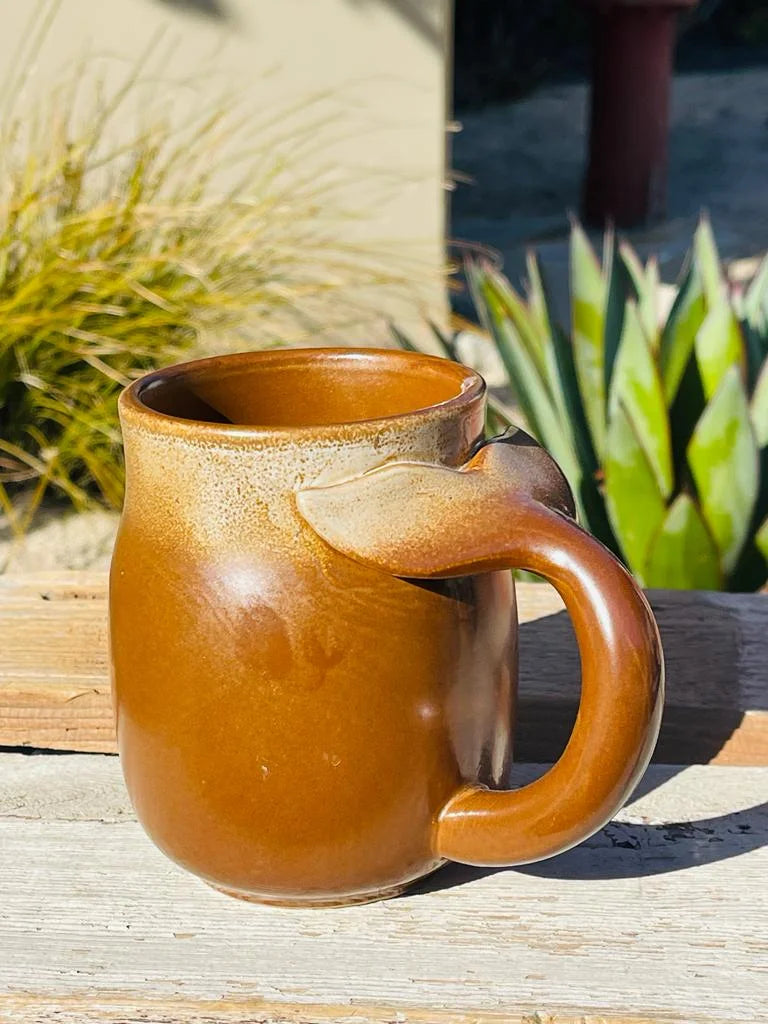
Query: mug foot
pixel 307 903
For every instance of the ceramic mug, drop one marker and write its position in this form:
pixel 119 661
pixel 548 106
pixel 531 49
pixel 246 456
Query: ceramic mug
pixel 313 627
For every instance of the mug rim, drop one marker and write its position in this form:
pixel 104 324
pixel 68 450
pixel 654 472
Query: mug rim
pixel 471 388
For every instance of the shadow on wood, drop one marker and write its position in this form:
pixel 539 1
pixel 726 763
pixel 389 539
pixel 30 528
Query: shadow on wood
pixel 628 849
pixel 714 648
pixel 635 851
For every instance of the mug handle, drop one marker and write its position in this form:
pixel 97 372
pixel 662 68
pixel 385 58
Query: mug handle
pixel 509 507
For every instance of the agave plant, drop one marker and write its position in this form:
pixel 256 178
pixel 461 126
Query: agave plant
pixel 659 422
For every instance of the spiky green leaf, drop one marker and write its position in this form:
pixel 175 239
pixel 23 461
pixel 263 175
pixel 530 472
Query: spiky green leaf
pixel 530 391
pixel 523 320
pixel 589 500
pixel 636 507
pixel 402 339
pixel 445 342
pixel 724 460
pixel 565 371
pixel 648 304
pixel 637 386
pixel 761 539
pixel 588 297
pixel 646 284
pixel 539 306
pixel 634 266
pixel 679 332
pixel 545 327
pixel 561 371
pixel 498 417
pixel 683 554
pixel 756 300
pixel 756 350
pixel 719 345
pixel 526 380
pixel 556 384
pixel 619 289
pixel 707 259
pixel 758 407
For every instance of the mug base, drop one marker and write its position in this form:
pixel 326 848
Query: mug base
pixel 303 902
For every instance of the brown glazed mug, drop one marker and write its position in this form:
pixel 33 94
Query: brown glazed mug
pixel 313 627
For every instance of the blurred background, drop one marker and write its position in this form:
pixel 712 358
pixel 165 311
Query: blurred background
pixel 521 92
pixel 181 177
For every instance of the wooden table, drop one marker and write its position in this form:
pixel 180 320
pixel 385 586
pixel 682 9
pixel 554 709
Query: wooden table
pixel 662 917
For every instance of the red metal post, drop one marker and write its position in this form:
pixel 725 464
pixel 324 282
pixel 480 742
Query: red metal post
pixel 632 72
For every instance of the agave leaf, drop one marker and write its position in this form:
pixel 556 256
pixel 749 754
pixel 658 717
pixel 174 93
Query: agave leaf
pixel 684 414
pixel 719 345
pixel 527 383
pixel 751 570
pixel 565 391
pixel 565 372
pixel 648 304
pixel 636 507
pixel 561 370
pixel 679 332
pixel 589 500
pixel 533 398
pixel 538 298
pixel 588 298
pixel 498 417
pixel 634 266
pixel 564 386
pixel 538 307
pixel 646 284
pixel 637 386
pixel 724 461
pixel 683 554
pixel 445 342
pixel 402 339
pixel 756 300
pixel 759 407
pixel 761 539
pixel 761 505
pixel 707 259
pixel 756 347
pixel 619 289
pixel 755 326
pixel 524 321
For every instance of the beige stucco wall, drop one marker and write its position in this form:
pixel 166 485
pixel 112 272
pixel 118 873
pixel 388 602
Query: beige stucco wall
pixel 381 64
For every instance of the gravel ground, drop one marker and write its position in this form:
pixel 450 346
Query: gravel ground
pixel 526 161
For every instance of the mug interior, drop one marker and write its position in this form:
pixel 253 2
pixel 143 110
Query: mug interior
pixel 307 387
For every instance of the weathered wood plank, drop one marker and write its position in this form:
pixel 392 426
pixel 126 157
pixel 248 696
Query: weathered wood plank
pixel 54 688
pixel 31 1010
pixel 660 918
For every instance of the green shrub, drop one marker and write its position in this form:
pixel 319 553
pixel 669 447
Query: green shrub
pixel 118 257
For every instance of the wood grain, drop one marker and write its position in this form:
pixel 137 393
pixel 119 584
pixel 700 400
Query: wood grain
pixel 28 1009
pixel 54 686
pixel 659 918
